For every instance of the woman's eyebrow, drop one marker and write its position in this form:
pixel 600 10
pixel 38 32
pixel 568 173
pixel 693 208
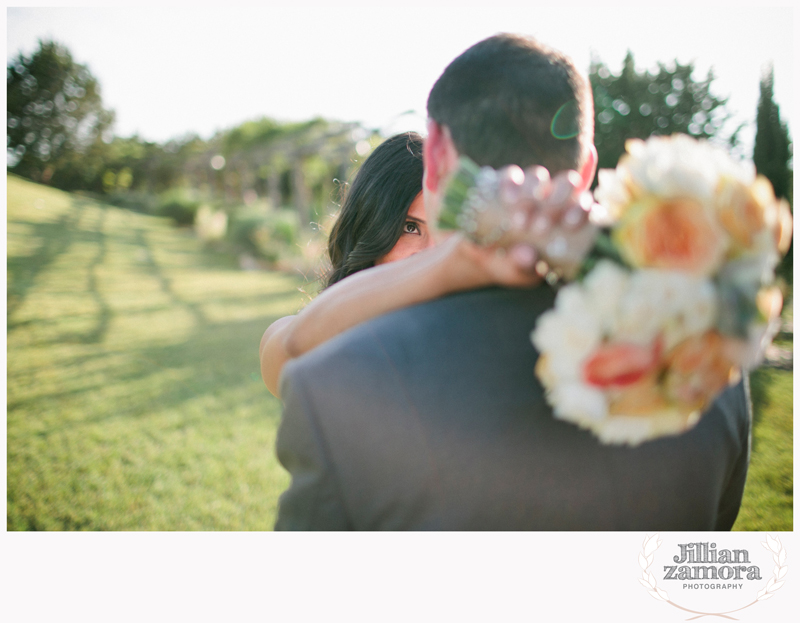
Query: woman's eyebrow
pixel 421 221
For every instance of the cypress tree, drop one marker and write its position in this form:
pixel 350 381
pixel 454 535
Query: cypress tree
pixel 772 152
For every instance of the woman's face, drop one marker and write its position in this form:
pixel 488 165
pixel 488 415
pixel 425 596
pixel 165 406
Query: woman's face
pixel 415 237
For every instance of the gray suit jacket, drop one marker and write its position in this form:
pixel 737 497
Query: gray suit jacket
pixel 431 418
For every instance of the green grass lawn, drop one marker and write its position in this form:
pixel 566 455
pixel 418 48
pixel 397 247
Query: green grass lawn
pixel 134 395
pixel 767 503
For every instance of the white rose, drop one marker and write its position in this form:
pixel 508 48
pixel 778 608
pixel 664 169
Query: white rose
pixel 624 430
pixel 676 166
pixel 567 340
pixel 605 285
pixel 569 332
pixel 612 196
pixel 696 314
pixel 641 308
pixel 578 403
pixel 670 303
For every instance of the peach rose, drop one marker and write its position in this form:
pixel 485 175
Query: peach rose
pixel 619 365
pixel 740 211
pixel 777 215
pixel 642 398
pixel 783 230
pixel 679 234
pixel 698 369
pixel 747 210
pixel 769 302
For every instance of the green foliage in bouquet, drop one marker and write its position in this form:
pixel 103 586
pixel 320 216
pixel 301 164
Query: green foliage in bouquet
pixel 603 249
pixel 457 193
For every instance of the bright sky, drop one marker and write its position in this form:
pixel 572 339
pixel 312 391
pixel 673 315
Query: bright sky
pixel 169 71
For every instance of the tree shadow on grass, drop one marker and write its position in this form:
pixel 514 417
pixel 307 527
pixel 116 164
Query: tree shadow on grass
pixel 215 359
pixel 54 240
pixel 210 376
pixel 98 333
pixel 165 282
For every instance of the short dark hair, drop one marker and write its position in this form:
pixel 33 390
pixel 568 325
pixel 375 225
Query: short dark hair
pixel 375 206
pixel 512 100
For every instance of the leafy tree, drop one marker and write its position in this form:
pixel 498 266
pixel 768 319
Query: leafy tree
pixel 772 151
pixel 250 134
pixel 638 105
pixel 55 118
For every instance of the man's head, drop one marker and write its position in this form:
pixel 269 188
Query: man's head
pixel 510 100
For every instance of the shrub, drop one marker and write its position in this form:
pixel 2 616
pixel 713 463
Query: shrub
pixel 268 235
pixel 178 204
pixel 136 201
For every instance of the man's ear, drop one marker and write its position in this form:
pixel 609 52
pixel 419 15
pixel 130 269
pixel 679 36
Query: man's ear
pixel 439 156
pixel 589 168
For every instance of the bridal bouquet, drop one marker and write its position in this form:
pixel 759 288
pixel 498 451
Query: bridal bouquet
pixel 674 301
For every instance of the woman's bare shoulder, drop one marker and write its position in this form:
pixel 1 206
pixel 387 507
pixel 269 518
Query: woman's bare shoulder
pixel 279 325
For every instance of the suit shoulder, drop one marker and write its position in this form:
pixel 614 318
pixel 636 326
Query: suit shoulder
pixel 342 357
pixel 471 308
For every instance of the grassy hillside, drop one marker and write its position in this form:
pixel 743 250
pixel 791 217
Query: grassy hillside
pixel 134 397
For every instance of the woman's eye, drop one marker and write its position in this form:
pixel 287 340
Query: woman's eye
pixel 410 228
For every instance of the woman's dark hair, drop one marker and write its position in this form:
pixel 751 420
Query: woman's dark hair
pixel 375 206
